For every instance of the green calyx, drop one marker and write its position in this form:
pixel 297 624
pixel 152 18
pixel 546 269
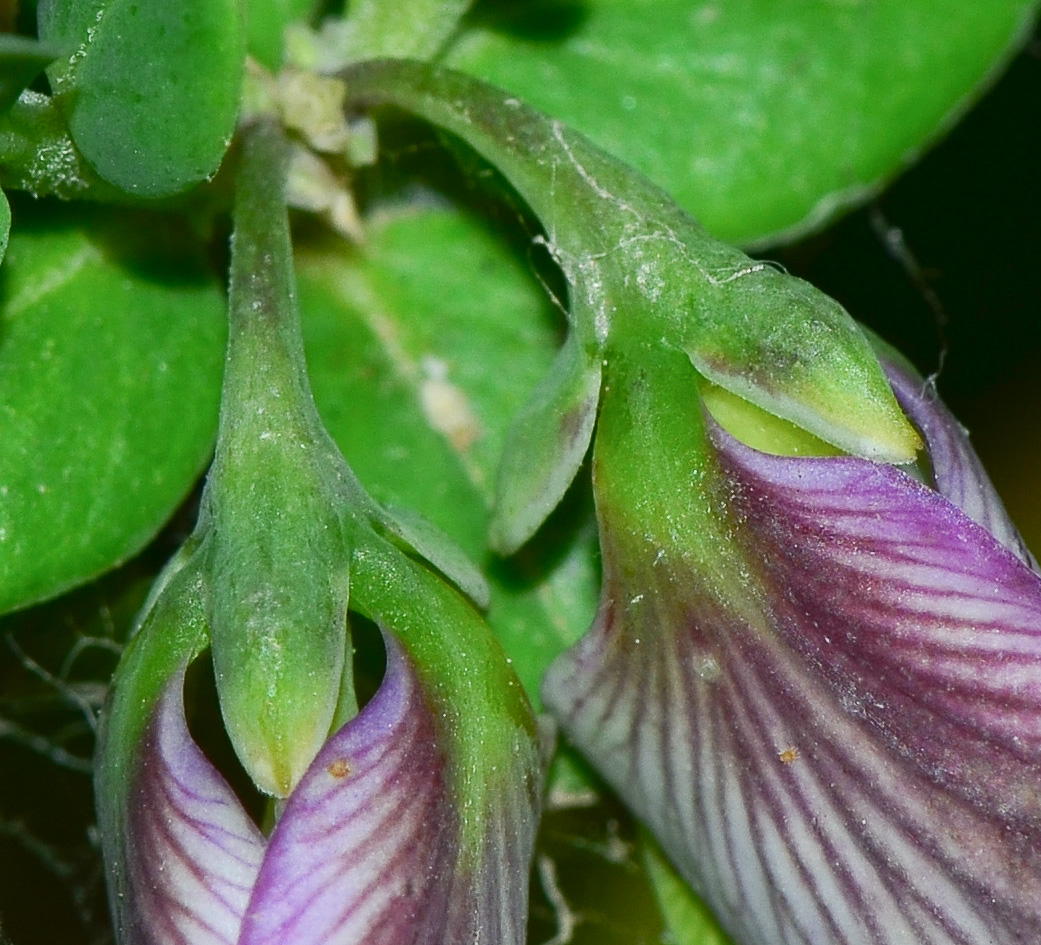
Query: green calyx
pixel 276 561
pixel 643 272
pixel 283 517
pixel 663 503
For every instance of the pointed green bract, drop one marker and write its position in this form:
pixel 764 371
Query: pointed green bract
pixel 275 552
pixel 547 442
pixel 641 271
pixel 150 90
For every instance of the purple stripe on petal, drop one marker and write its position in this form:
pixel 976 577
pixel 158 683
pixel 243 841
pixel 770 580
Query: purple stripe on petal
pixel 366 845
pixel 859 765
pixel 957 470
pixel 194 853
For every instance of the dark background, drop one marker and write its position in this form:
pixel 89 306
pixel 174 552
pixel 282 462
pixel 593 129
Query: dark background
pixel 960 293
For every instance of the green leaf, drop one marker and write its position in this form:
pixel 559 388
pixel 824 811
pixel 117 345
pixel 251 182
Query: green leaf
pixel 266 21
pixel 151 91
pixel 110 358
pixel 687 918
pixel 414 29
pixel 21 60
pixel 764 118
pixel 423 346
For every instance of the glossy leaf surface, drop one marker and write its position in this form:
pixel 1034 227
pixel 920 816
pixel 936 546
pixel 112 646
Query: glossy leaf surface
pixel 111 359
pixel 760 117
pixel 151 90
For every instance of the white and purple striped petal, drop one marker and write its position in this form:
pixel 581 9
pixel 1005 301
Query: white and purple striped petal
pixel 194 853
pixel 366 846
pixel 957 471
pixel 861 763
pixel 368 849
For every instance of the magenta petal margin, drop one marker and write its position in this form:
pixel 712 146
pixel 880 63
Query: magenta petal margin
pixel 367 848
pixel 957 470
pixel 862 764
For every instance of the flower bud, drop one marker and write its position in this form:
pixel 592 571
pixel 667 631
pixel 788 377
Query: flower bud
pixel 816 678
pixel 411 820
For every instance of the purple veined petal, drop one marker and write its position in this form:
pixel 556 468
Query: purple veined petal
pixel 862 767
pixel 366 848
pixel 194 853
pixel 957 470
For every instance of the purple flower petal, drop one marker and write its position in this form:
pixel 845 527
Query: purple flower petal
pixel 860 762
pixel 194 854
pixel 957 470
pixel 368 846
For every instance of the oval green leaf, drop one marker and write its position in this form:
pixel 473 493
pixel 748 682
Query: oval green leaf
pixel 109 376
pixel 152 90
pixel 764 118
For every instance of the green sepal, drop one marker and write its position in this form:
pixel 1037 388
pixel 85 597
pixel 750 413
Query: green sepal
pixel 484 711
pixel 661 497
pixel 21 60
pixel 545 447
pixel 274 504
pixel 151 90
pixel 414 532
pixel 641 270
pixel 169 634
